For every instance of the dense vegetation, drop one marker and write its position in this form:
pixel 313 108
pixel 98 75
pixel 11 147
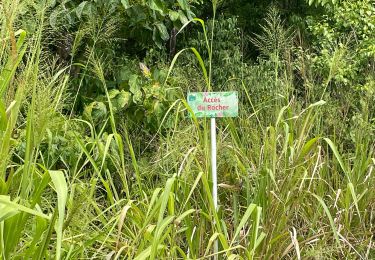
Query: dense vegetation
pixel 100 160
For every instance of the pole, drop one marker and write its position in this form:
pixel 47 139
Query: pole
pixel 214 174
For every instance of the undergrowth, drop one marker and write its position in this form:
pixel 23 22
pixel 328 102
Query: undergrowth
pixel 128 178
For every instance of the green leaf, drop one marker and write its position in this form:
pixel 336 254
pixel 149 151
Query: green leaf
pixel 319 103
pixel 162 222
pixel 125 4
pixel 61 188
pixel 184 215
pixel 163 31
pixel 9 208
pixel 124 99
pixel 95 111
pixel 190 14
pixel 182 16
pixel 244 219
pixel 146 253
pixel 43 246
pixel 183 4
pixel 137 97
pixel 113 93
pixel 157 5
pixel 120 99
pixel 135 88
pixel 134 84
pixel 332 223
pixel 158 108
pixel 355 199
pixel 307 148
pixel 3 118
pixel 173 15
pixel 338 157
pixel 53 18
pixel 80 8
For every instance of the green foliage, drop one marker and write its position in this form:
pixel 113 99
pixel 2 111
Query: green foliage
pixel 227 58
pixel 144 21
pixel 323 2
pixel 344 40
pixel 103 163
pixel 140 97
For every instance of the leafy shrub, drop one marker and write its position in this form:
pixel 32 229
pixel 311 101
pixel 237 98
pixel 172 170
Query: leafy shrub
pixel 345 36
pixel 138 97
pixel 145 22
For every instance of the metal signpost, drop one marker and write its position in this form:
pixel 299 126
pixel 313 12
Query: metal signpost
pixel 212 105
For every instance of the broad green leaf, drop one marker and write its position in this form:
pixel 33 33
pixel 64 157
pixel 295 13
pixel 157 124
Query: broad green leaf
pixel 121 220
pixel 281 113
pixel 163 31
pixel 137 97
pixel 255 229
pixel 134 84
pixel 43 247
pixel 90 10
pixel 53 17
pixel 157 38
pixel 183 4
pixel 197 179
pixel 153 200
pixel 80 8
pixel 173 15
pixel 182 17
pixel 120 99
pixel 41 225
pixel 157 5
pixel 190 14
pixel 6 211
pixel 123 99
pixel 95 111
pixel 165 197
pixel 212 239
pixel 259 240
pixel 113 93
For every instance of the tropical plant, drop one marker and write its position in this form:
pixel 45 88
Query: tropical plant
pixel 100 160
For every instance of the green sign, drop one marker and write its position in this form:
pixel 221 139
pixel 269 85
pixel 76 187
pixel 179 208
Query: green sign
pixel 214 104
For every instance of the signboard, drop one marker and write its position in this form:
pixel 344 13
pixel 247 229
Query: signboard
pixel 214 104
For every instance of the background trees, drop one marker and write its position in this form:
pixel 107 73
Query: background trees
pixel 99 158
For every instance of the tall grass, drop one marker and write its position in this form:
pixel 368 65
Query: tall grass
pixel 287 188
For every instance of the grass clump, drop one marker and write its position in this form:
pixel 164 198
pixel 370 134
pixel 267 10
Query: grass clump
pixel 121 172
